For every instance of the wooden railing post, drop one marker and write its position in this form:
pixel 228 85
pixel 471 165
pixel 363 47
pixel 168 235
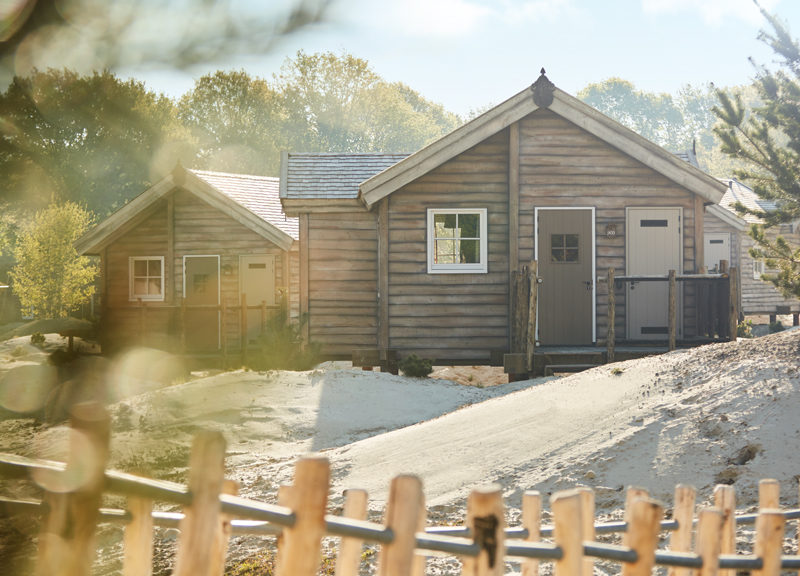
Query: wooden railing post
pixel 349 559
pixel 631 495
pixel 485 516
pixel 769 493
pixel 66 538
pixel 139 538
pixel 220 546
pixel 683 514
pixel 308 498
pixel 673 309
pixel 769 541
pixel 532 521
pixel 611 337
pixel 709 526
pixel 587 530
pixel 243 328
pixel 200 524
pixel 643 529
pixel 568 532
pixel 725 501
pixel 532 307
pixel 402 517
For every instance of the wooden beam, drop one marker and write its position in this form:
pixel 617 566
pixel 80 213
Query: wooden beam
pixel 699 233
pixel 383 274
pixel 513 196
pixel 170 264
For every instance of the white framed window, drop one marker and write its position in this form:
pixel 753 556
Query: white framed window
pixel 759 268
pixel 146 278
pixel 457 241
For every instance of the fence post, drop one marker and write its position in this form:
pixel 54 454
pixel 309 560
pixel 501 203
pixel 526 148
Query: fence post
pixel 769 493
pixel 633 493
pixel 243 328
pixel 299 554
pixel 485 516
pixel 681 539
pixel 402 517
pixel 531 520
pixel 139 538
pixel 673 309
pixel 643 529
pixel 733 302
pixel 612 318
pixel 587 530
pixel 349 559
pixel 223 534
pixel 200 523
pixel 709 525
pixel 420 562
pixel 725 500
pixel 568 532
pixel 532 306
pixel 66 538
pixel 769 541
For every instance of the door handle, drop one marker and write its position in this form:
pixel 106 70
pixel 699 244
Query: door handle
pixel 588 285
pixel 633 285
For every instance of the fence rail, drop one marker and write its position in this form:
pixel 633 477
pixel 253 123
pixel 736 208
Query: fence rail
pixel 701 540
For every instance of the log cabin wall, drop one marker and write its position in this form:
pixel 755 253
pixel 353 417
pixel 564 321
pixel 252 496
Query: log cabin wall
pixel 342 272
pixel 197 229
pixel 563 165
pixel 450 317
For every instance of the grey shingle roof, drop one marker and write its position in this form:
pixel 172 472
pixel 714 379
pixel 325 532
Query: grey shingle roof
pixel 739 193
pixel 332 176
pixel 258 194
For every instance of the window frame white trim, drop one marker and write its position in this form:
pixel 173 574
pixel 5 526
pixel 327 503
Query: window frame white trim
pixel 482 267
pixel 759 268
pixel 132 296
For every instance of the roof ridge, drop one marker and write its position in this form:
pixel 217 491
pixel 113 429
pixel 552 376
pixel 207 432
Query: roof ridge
pixel 233 174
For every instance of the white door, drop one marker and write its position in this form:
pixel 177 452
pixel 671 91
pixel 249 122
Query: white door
pixel 257 278
pixel 654 243
pixel 717 247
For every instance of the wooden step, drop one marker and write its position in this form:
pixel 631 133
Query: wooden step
pixel 552 369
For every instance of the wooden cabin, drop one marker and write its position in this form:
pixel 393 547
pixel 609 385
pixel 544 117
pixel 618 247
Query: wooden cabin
pixel 415 253
pixel 179 261
pixel 727 238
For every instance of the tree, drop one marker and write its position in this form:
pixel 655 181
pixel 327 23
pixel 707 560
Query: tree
pixel 92 139
pixel 765 141
pixel 338 104
pixel 50 279
pixel 236 122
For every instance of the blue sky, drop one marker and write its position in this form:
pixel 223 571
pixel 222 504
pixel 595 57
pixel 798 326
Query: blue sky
pixel 467 54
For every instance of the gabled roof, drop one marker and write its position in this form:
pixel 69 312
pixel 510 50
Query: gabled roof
pixel 250 200
pixel 542 94
pixel 738 193
pixel 330 176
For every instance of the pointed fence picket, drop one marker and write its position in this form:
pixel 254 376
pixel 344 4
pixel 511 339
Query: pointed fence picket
pixel 701 542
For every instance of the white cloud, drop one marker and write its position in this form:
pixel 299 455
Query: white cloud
pixel 713 12
pixel 532 10
pixel 422 18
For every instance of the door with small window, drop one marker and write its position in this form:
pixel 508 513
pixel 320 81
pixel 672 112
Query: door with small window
pixel 201 295
pixel 257 277
pixel 717 248
pixel 654 245
pixel 565 253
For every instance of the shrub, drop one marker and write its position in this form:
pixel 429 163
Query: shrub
pixel 282 347
pixel 37 339
pixel 415 366
pixel 745 329
pixel 775 327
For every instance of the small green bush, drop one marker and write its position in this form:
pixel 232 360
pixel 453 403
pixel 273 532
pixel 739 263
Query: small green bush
pixel 281 345
pixel 415 366
pixel 37 339
pixel 745 329
pixel 776 327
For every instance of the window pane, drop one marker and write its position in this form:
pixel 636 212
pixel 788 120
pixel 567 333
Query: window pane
pixel 571 255
pixel 470 251
pixel 571 241
pixel 557 255
pixel 446 252
pixel 140 267
pixel 469 225
pixel 445 225
pixel 556 241
pixel 139 286
pixel 154 287
pixel 154 268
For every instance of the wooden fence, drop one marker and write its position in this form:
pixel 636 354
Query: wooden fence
pixel 703 541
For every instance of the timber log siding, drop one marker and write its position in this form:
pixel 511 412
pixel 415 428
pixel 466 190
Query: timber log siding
pixel 561 165
pixel 196 229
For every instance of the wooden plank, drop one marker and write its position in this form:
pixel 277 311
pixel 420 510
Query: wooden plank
pixel 383 273
pixel 699 233
pixel 169 261
pixel 683 512
pixel 513 196
pixel 709 528
pixel 643 528
pixel 349 557
pixel 725 501
pixel 568 532
pixel 769 494
pixel 769 541
pixel 531 520
pixel 219 549
pixel 138 538
pixel 611 335
pixel 587 525
pixel 533 304
pixel 485 516
pixel 304 276
pixel 672 310
pixel 402 517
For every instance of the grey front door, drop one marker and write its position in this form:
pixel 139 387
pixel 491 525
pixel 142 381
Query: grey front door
pixel 201 294
pixel 257 274
pixel 565 252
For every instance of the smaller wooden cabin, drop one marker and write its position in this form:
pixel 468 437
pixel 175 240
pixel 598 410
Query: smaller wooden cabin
pixel 416 254
pixel 727 238
pixel 195 263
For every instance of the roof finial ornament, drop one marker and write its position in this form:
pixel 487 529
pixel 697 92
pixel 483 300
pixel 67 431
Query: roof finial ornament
pixel 543 91
pixel 542 71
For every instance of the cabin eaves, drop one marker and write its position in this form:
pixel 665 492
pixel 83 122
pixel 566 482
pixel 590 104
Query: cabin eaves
pixel 250 200
pixel 517 107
